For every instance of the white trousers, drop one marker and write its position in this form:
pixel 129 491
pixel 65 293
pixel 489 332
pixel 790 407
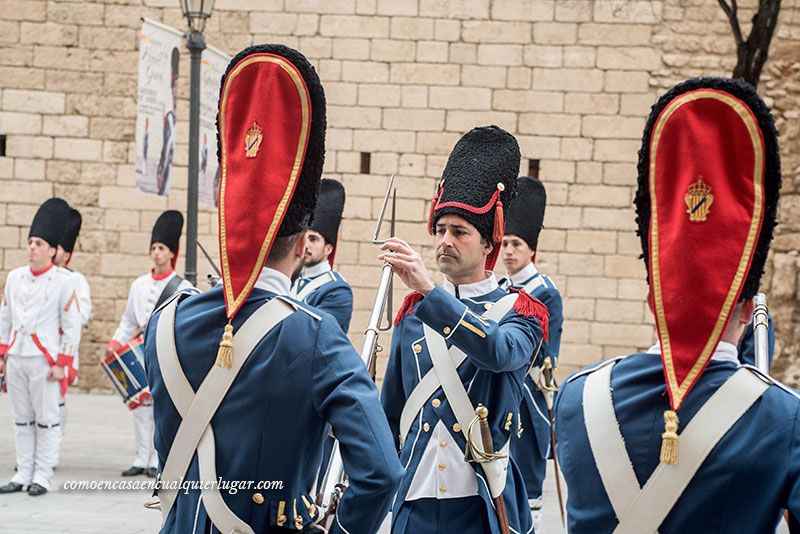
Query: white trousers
pixel 143 428
pixel 62 415
pixel 34 406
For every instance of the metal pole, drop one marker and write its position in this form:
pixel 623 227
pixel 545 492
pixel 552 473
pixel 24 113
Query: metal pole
pixel 196 43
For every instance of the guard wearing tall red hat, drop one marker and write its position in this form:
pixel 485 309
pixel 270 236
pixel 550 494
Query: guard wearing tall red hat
pixel 147 293
pixel 682 437
pixel 460 353
pixel 83 296
pixel 244 378
pixel 40 330
pixel 318 284
pixel 520 244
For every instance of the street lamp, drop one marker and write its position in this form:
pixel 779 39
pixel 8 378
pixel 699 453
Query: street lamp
pixel 196 13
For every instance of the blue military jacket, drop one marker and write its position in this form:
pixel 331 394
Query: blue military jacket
pixel 498 358
pixel 269 427
pixel 334 297
pixel 534 405
pixel 749 477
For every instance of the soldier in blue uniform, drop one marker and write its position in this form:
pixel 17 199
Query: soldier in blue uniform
pixel 523 224
pixel 244 378
pixel 319 285
pixel 729 436
pixel 457 345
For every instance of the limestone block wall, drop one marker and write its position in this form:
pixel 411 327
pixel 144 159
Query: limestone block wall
pixel 572 79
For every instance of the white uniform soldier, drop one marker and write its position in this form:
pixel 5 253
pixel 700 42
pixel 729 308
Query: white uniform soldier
pixel 64 255
pixel 40 329
pixel 146 294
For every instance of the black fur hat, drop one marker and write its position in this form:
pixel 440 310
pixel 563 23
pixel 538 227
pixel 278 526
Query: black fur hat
pixel 479 180
pixel 167 230
pixel 772 169
pixel 526 217
pixel 328 213
pixel 72 227
pixel 48 223
pixel 299 211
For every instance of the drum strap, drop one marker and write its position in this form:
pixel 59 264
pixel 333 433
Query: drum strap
pixel 168 291
pixel 197 409
pixel 642 510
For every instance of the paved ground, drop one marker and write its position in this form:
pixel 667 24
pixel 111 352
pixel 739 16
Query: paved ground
pixel 97 446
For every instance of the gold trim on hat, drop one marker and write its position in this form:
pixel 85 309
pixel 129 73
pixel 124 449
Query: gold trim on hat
pixel 235 301
pixel 679 390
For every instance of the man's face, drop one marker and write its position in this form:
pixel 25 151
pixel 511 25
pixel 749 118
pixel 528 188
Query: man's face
pixel 62 256
pixel 516 253
pixel 298 256
pixel 317 250
pixel 460 249
pixel 161 255
pixel 40 253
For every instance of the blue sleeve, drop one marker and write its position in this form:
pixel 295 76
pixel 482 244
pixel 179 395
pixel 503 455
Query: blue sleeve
pixel 552 299
pixel 491 346
pixel 338 301
pixel 393 396
pixel 346 397
pixel 793 497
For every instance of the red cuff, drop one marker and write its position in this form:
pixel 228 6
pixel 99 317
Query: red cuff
pixel 65 360
pixel 3 350
pixel 114 345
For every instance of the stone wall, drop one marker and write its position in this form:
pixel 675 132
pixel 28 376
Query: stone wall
pixel 572 79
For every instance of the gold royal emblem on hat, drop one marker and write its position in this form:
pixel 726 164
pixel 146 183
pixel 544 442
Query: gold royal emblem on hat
pixel 698 200
pixel 252 140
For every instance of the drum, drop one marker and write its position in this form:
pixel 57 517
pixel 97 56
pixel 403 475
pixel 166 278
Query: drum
pixel 125 370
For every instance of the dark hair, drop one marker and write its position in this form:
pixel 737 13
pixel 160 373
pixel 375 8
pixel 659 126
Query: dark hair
pixel 281 247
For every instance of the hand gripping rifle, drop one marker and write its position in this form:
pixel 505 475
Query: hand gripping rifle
pixel 761 333
pixel 334 482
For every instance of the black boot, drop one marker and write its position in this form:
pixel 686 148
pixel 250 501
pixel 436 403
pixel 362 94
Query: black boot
pixel 133 471
pixel 34 490
pixel 11 487
pixel 152 472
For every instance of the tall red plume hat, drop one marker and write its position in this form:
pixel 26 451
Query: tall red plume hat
pixel 709 180
pixel 479 181
pixel 271 125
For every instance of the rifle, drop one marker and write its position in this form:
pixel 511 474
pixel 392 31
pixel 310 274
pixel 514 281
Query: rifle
pixel 334 482
pixel 548 391
pixel 761 333
pixel 212 280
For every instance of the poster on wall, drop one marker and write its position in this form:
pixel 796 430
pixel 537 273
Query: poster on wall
pixel 159 59
pixel 212 67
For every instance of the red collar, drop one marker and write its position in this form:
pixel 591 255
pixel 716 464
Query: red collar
pixel 158 277
pixel 42 271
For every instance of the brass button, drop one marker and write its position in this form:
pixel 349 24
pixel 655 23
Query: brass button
pixel 443 444
pixel 457 427
pixel 426 427
pixel 488 306
pixel 442 489
pixel 258 498
pixel 282 519
pixel 436 403
pixel 446 330
pixel 417 348
pixel 298 522
pixel 441 467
